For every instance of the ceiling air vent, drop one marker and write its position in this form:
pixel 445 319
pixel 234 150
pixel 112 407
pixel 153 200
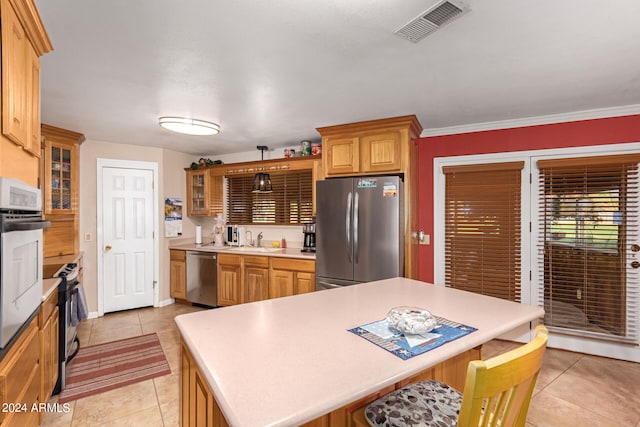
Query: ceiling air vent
pixel 432 19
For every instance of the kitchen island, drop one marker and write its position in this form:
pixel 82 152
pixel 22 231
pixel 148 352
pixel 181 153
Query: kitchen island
pixel 289 361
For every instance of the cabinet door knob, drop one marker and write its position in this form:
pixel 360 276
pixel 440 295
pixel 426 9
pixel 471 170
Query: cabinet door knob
pixel 107 248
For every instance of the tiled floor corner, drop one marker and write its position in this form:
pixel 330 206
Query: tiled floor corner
pixel 573 389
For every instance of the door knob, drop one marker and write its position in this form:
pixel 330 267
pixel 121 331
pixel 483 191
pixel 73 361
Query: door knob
pixel 107 248
pixel 635 264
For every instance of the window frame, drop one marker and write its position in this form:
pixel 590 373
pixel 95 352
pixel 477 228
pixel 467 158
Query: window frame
pixel 292 190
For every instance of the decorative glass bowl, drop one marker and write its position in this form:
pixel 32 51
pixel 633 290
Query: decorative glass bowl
pixel 411 320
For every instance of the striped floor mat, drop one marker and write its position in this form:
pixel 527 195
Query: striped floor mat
pixel 102 367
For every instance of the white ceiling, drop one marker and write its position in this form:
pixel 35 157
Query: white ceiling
pixel 270 72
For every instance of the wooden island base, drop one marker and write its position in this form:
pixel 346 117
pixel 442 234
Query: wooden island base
pixel 198 406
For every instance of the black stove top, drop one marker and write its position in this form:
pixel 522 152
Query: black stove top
pixel 68 270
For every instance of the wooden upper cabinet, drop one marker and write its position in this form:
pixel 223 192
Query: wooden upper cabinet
pixel 205 192
pixel 60 173
pixel 365 154
pixel 381 152
pixel 377 146
pixel 342 155
pixel 23 42
pixel 34 105
pixel 60 178
pixel 197 192
pixel 16 72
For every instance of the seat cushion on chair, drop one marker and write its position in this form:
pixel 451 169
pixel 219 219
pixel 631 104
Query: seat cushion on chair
pixel 426 403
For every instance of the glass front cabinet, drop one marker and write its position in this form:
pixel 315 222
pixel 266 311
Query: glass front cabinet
pixel 59 181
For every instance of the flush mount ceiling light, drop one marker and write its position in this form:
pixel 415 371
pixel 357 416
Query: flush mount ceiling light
pixel 189 126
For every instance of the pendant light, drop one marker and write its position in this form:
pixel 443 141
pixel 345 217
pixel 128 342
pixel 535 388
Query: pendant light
pixel 262 181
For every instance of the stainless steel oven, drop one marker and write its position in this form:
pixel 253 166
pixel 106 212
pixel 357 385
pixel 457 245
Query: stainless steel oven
pixel 68 341
pixel 21 228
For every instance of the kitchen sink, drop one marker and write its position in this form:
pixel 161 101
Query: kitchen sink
pixel 254 249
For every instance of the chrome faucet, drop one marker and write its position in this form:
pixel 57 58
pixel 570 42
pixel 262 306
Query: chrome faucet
pixel 259 239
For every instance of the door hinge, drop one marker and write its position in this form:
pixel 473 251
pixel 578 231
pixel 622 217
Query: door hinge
pixel 155 282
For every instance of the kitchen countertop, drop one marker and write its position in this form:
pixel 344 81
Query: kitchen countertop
pixel 286 361
pixel 246 250
pixel 48 286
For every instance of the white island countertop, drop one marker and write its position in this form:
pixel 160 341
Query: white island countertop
pixel 286 361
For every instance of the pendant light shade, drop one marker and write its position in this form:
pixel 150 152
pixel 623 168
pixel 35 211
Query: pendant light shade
pixel 262 181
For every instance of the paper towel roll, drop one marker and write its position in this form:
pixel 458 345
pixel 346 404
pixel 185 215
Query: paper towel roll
pixel 198 235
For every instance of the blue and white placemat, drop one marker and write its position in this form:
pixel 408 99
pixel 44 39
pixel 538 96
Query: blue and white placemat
pixel 407 346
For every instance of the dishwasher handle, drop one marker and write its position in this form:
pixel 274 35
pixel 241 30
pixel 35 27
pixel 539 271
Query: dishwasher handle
pixel 203 254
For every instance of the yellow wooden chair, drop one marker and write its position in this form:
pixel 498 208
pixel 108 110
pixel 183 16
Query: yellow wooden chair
pixel 497 392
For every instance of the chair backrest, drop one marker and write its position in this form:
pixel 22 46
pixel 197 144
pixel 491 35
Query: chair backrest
pixel 498 391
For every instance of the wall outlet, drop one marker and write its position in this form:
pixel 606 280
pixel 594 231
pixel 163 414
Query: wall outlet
pixel 87 237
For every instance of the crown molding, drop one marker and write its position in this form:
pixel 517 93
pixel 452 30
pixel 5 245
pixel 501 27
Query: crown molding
pixel 600 113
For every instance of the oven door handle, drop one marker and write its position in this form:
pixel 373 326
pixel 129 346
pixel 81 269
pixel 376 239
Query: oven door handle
pixel 26 226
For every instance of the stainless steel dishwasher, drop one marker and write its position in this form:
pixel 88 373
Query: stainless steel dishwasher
pixel 202 278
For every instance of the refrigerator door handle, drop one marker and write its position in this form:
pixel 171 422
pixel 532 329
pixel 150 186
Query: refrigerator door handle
pixel 348 224
pixel 356 213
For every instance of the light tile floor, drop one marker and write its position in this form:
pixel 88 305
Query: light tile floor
pixel 573 389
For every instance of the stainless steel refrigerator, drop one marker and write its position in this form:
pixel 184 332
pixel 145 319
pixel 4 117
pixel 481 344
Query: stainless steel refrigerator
pixel 359 230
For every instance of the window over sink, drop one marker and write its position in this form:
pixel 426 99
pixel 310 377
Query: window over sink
pixel 290 202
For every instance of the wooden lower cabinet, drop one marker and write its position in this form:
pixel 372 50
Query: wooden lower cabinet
pixel 48 320
pixel 20 379
pixel 198 406
pixel 256 278
pixel 291 276
pixel 229 279
pixel 178 274
pixel 248 278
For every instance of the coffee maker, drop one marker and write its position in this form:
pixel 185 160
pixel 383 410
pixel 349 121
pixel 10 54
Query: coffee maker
pixel 309 230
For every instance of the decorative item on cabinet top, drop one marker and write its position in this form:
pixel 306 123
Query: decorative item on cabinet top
pixel 202 163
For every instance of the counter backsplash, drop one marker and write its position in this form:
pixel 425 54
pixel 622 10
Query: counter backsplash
pixel 270 233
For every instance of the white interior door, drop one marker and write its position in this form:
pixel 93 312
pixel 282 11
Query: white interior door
pixel 127 238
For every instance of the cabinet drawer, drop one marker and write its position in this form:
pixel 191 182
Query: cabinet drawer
pixel 293 264
pixel 47 307
pixel 229 259
pixel 177 255
pixel 256 261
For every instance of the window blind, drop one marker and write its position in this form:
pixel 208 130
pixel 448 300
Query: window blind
pixel 589 224
pixel 290 202
pixel 482 228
